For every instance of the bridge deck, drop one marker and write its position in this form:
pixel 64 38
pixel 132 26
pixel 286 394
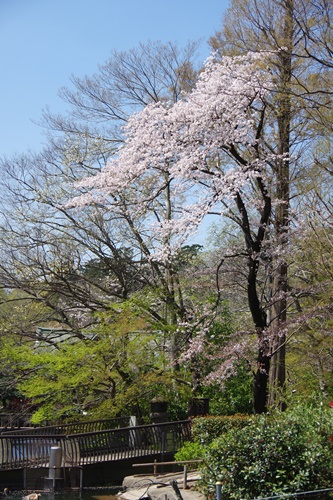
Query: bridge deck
pixel 22 450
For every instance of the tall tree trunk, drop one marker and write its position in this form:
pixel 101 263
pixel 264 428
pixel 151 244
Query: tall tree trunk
pixel 254 245
pixel 260 382
pixel 280 268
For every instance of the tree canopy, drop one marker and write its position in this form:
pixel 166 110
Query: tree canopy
pixel 105 219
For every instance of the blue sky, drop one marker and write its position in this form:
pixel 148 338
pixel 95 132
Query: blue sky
pixel 44 42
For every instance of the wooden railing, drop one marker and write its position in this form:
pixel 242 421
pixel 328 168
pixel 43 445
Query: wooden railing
pixel 33 450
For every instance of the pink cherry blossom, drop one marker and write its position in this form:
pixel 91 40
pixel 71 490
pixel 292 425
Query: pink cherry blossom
pixel 186 149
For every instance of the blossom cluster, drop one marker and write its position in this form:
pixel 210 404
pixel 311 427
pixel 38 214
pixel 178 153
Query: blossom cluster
pixel 176 164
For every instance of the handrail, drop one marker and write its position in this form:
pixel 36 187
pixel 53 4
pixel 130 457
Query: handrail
pixel 33 450
pixel 161 425
pixel 72 428
pixel 123 443
pixel 156 464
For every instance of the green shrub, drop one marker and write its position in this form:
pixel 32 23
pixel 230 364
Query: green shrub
pixel 206 429
pixel 280 453
pixel 191 451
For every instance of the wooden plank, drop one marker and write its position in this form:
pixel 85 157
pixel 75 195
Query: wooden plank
pixel 175 462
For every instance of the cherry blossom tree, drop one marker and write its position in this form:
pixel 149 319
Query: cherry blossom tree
pixel 203 155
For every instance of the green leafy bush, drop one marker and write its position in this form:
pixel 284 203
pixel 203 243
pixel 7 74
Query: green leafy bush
pixel 206 429
pixel 280 453
pixel 191 451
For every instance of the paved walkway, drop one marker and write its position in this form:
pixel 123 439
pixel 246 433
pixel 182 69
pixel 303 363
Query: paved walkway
pixel 158 487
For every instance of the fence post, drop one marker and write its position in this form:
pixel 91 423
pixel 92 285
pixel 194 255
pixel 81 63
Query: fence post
pixel 185 477
pixel 132 433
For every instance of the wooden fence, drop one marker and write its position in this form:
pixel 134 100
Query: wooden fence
pixel 32 450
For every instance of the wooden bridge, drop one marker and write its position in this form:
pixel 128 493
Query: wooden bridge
pixel 90 443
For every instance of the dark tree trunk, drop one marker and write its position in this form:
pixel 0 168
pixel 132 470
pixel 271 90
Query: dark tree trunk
pixel 260 382
pixel 254 246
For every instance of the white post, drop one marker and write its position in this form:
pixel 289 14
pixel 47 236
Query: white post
pixel 55 463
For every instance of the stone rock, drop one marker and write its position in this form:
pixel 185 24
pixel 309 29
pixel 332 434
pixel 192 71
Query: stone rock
pixel 158 487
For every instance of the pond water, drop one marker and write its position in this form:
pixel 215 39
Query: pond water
pixel 89 494
pixel 85 494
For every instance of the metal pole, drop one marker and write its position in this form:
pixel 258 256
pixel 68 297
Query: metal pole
pixel 185 478
pixel 55 464
pixel 218 490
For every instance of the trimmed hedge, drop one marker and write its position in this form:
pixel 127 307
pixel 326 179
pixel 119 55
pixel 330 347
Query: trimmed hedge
pixel 206 429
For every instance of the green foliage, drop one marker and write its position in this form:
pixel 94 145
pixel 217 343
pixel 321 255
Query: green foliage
pixel 186 255
pixel 116 369
pixel 191 451
pixel 206 429
pixel 209 356
pixel 277 453
pixel 235 397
